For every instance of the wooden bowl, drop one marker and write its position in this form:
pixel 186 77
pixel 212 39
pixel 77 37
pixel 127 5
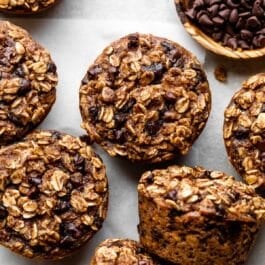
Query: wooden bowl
pixel 207 42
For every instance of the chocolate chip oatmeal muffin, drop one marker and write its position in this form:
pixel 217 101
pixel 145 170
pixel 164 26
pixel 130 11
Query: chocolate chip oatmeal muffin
pixel 27 83
pixel 26 6
pixel 244 132
pixel 53 195
pixel 194 216
pixel 145 98
pixel 121 252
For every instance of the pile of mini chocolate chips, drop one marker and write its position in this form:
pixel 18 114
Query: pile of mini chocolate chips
pixel 234 23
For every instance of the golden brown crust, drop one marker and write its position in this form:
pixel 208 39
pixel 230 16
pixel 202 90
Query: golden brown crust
pixel 121 252
pixel 27 85
pixel 145 98
pixel 53 195
pixel 244 136
pixel 194 216
pixel 26 7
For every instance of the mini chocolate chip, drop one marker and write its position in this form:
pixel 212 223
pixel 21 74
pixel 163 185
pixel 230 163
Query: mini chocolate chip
pixel 242 44
pixel 3 212
pixel 34 178
pixel 152 127
pixel 255 41
pixel 98 221
pixel 34 193
pixel 233 3
pixel 56 135
pixel 234 229
pixel 158 70
pixel 190 13
pixel 8 52
pixel 236 196
pixel 4 61
pixel 205 20
pixel 246 34
pixel 220 211
pixel 213 10
pixel 66 197
pixel 133 41
pixel 253 22
pixel 139 250
pixel 241 133
pixel 233 18
pixel 224 13
pixel 85 80
pixel 85 138
pixel 167 46
pixel 79 162
pixel 19 71
pixel 198 3
pixel 230 30
pixel 222 6
pixel 128 106
pixel 112 73
pixel 67 242
pixel 52 68
pixel 262 31
pixel 94 71
pixel 38 249
pixel 260 41
pixel 94 112
pixel 246 4
pixel 77 178
pixel 226 38
pixel 240 23
pixel 62 207
pixel 113 70
pixel 24 86
pixel 257 9
pixel 69 186
pixel 217 36
pixel 232 43
pixel 172 195
pixel 174 56
pixel 218 21
pixel 175 213
pixel 67 229
pixel 120 119
pixel 120 135
pixel 261 146
pixel 245 14
pixel 15 120
pixel 169 96
pixel 179 63
pixel 150 179
pixel 212 2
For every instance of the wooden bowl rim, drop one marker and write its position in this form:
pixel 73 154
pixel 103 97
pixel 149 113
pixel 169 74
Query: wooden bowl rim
pixel 210 44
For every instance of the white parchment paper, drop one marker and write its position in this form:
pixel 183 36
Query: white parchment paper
pixel 75 32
